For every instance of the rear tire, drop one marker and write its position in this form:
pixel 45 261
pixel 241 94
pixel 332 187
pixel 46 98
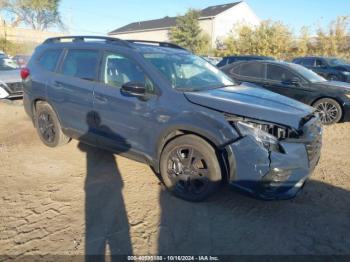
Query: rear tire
pixel 189 168
pixel 329 110
pixel 48 126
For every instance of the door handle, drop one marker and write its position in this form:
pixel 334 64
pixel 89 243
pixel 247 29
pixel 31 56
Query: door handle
pixel 101 99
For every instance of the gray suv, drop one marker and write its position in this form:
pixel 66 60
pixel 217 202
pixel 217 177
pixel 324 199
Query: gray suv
pixel 158 103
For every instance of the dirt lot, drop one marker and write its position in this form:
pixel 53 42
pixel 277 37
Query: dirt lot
pixel 51 204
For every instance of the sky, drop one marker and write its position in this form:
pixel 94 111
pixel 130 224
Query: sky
pixel 97 17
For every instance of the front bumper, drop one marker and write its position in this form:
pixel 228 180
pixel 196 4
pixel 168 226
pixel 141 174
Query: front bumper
pixel 346 112
pixel 14 89
pixel 275 175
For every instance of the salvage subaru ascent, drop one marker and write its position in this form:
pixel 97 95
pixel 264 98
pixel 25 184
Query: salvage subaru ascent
pixel 157 103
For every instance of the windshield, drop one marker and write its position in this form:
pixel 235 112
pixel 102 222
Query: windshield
pixel 336 62
pixel 8 64
pixel 187 72
pixel 308 74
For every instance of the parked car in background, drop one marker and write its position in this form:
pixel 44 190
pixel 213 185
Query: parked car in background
pixel 233 59
pixel 212 59
pixel 10 79
pixel 21 60
pixel 330 98
pixel 158 103
pixel 330 68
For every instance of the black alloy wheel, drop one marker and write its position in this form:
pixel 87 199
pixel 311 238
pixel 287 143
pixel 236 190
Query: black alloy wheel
pixel 190 168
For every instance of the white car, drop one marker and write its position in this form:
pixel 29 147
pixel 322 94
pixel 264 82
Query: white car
pixel 10 80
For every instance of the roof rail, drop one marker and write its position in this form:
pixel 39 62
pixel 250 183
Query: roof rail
pixel 163 44
pixel 83 38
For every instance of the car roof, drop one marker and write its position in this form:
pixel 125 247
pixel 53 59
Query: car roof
pixel 248 56
pixel 99 42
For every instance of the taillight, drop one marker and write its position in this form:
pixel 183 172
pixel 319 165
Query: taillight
pixel 24 73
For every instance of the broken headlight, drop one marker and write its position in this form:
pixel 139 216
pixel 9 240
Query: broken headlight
pixel 257 131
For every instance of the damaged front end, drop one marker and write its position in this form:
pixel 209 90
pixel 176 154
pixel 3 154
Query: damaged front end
pixel 272 161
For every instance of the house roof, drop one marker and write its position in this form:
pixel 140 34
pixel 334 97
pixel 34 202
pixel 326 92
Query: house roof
pixel 167 21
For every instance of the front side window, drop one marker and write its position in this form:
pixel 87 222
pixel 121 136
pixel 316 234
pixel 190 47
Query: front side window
pixel 49 59
pixel 307 74
pixel 119 70
pixel 187 72
pixel 256 70
pixel 81 64
pixel 278 73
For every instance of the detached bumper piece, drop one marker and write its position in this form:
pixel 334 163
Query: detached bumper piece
pixel 276 175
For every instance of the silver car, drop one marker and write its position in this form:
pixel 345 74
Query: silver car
pixel 10 80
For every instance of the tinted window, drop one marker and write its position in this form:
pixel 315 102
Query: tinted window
pixel 307 62
pixel 256 70
pixel 49 59
pixel 236 70
pixel 119 70
pixel 278 73
pixel 320 63
pixel 232 60
pixel 81 64
pixel 222 62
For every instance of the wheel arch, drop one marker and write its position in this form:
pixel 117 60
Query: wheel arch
pixel 34 106
pixel 172 134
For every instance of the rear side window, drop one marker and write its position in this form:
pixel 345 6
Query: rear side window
pixel 256 70
pixel 49 59
pixel 278 73
pixel 81 64
pixel 307 62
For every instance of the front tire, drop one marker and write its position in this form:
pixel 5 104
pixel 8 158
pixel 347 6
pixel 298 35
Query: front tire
pixel 190 168
pixel 329 110
pixel 48 126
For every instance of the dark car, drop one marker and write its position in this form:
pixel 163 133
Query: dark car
pixel 10 79
pixel 330 68
pixel 233 59
pixel 160 104
pixel 330 98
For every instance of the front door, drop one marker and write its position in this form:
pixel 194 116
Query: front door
pixel 285 82
pixel 123 121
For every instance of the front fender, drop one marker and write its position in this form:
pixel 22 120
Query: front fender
pixel 212 127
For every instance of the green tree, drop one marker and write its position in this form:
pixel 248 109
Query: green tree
pixel 38 14
pixel 187 33
pixel 268 39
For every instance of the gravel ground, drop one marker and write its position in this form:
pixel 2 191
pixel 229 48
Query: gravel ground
pixel 77 199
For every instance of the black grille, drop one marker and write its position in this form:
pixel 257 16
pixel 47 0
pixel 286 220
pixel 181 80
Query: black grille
pixel 15 87
pixel 313 146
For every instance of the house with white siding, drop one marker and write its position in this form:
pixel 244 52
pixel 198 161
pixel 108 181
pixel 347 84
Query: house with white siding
pixel 217 21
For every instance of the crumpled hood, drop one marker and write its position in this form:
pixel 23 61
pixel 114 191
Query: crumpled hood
pixel 252 102
pixel 10 76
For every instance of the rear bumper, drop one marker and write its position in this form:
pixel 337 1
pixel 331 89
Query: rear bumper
pixel 273 175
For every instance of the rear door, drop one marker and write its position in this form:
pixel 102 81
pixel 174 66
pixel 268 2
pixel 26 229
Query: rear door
pixel 252 72
pixel 71 90
pixel 279 79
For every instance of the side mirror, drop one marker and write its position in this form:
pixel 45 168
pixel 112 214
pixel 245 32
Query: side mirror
pixel 295 81
pixel 134 89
